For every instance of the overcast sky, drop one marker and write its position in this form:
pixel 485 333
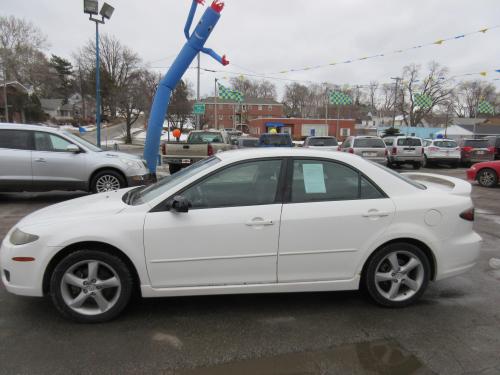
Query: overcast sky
pixel 265 36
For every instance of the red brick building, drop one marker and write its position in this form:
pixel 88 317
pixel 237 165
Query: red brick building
pixel 300 128
pixel 232 114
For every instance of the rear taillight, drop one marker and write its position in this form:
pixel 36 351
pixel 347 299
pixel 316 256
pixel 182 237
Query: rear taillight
pixel 491 150
pixel 433 149
pixel 394 150
pixel 467 149
pixel 210 150
pixel 468 214
pixel 351 150
pixel 386 152
pixel 164 148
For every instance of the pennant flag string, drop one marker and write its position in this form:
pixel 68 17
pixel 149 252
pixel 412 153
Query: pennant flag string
pixel 438 42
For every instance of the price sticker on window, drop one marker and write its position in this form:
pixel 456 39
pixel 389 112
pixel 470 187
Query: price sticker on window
pixel 314 178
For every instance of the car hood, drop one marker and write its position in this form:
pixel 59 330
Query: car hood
pixel 108 203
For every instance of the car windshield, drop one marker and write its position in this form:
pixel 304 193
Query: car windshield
pixel 476 143
pixel 326 141
pixel 146 194
pixel 208 137
pixel 409 142
pixel 445 144
pixel 369 143
pixel 275 139
pixel 401 177
pixel 82 141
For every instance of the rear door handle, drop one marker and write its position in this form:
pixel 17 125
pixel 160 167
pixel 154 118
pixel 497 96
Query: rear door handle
pixel 41 160
pixel 259 222
pixel 375 213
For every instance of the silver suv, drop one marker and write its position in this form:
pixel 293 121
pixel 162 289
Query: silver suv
pixel 371 148
pixel 39 158
pixel 404 150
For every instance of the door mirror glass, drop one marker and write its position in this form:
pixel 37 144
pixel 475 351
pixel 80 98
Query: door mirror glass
pixel 179 204
pixel 73 148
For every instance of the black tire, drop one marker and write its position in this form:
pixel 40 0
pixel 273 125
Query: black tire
pixel 174 168
pixel 487 177
pixel 417 165
pixel 122 293
pixel 455 164
pixel 426 162
pixel 378 260
pixel 115 177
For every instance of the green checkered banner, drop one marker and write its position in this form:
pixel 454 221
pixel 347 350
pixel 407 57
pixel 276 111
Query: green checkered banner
pixel 339 98
pixel 422 100
pixel 485 107
pixel 225 93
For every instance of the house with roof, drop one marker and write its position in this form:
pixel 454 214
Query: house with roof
pixel 63 112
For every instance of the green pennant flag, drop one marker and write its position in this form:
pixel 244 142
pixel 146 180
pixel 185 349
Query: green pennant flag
pixel 225 93
pixel 339 98
pixel 422 100
pixel 485 107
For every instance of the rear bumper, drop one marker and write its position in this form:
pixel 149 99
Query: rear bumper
pixel 443 159
pixel 146 179
pixel 380 160
pixel 405 159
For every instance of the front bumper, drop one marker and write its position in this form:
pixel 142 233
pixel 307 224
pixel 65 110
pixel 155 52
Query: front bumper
pixel 146 179
pixel 471 174
pixel 22 278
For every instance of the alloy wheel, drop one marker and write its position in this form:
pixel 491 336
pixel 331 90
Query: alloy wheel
pixel 107 183
pixel 90 287
pixel 487 178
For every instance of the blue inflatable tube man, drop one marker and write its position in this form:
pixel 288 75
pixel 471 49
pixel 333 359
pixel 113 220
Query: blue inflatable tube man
pixel 195 44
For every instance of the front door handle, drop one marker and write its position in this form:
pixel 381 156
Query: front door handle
pixel 41 160
pixel 259 222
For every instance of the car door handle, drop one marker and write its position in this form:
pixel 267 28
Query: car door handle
pixel 375 213
pixel 41 160
pixel 258 222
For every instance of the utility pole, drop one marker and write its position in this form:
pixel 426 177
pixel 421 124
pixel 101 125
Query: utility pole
pixel 326 105
pixel 397 79
pixel 215 101
pixel 6 111
pixel 197 127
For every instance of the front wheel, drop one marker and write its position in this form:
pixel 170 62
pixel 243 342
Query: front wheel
pixel 107 180
pixel 397 275
pixel 174 168
pixel 417 165
pixel 90 286
pixel 487 178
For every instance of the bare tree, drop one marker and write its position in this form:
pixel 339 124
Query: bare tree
pixel 469 94
pixel 372 95
pixel 295 99
pixel 435 85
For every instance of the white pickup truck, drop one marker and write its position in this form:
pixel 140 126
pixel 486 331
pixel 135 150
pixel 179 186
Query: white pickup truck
pixel 200 144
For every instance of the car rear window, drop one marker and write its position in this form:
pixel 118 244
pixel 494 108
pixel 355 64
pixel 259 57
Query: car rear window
pixel 250 142
pixel 445 144
pixel 326 141
pixel 369 143
pixel 476 143
pixel 409 142
pixel 276 140
pixel 205 138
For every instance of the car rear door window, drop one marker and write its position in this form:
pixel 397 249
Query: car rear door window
pixel 245 184
pixel 320 180
pixel 15 139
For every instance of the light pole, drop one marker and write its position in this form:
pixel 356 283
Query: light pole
pixel 91 7
pixel 397 79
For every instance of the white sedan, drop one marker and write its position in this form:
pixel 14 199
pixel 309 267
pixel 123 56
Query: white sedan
pixel 247 221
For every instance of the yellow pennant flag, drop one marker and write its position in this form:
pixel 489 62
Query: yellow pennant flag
pixel 333 63
pixel 483 73
pixel 483 30
pixel 440 41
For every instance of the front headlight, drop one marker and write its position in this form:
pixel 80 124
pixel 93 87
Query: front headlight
pixel 136 164
pixel 18 237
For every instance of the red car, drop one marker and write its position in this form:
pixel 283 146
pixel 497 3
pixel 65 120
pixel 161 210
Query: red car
pixel 486 173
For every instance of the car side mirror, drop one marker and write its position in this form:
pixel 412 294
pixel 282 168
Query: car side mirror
pixel 179 204
pixel 73 148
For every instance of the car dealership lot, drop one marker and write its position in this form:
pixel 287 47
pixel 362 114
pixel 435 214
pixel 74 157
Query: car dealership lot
pixel 455 328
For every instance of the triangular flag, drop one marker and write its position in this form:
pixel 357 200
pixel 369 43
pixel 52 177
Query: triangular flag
pixel 483 30
pixel 483 74
pixel 440 41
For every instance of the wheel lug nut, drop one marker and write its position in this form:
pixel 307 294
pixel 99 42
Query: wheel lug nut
pixel 85 291
pixel 93 280
pixel 85 283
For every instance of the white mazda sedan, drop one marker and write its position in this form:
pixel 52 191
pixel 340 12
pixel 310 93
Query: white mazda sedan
pixel 247 221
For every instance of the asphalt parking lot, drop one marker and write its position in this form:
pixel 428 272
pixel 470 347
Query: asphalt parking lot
pixel 454 329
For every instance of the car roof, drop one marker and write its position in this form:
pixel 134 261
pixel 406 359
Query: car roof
pixel 268 152
pixel 4 125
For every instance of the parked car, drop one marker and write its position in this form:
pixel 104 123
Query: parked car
pixel 494 144
pixel 441 151
pixel 404 150
pixel 235 223
pixel 40 158
pixel 246 142
pixel 199 145
pixel 324 143
pixel 486 173
pixel 371 148
pixel 475 151
pixel 275 140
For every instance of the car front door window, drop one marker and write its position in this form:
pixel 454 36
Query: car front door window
pixel 50 142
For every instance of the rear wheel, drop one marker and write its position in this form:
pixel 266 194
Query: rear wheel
pixel 174 168
pixel 397 275
pixel 487 177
